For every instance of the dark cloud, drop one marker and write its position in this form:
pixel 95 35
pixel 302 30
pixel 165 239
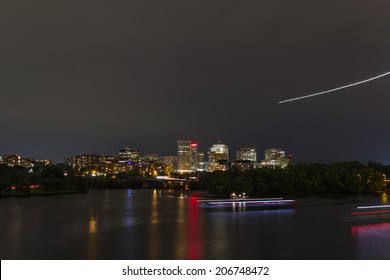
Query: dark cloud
pixel 77 76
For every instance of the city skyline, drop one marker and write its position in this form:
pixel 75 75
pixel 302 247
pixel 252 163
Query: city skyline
pixel 127 153
pixel 187 160
pixel 203 151
pixel 82 77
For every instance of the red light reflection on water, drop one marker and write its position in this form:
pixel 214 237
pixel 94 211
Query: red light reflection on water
pixel 367 229
pixel 370 212
pixel 194 228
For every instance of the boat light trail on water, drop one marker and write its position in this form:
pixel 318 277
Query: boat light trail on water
pixel 375 206
pixel 335 89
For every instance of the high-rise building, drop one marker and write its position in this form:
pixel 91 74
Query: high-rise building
pixel 129 157
pixel 187 156
pixel 194 156
pixel 244 154
pixel 183 156
pixel 201 163
pixel 218 157
pixel 275 157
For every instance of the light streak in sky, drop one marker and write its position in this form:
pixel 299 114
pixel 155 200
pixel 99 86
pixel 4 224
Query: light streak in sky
pixel 334 89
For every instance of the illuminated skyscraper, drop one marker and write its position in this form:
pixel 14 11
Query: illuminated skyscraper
pixel 245 159
pixel 183 156
pixel 194 156
pixel 246 154
pixel 275 157
pixel 201 164
pixel 187 156
pixel 218 157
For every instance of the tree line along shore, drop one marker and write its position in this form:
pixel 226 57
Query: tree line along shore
pixel 306 178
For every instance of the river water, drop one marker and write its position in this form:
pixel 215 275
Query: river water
pixel 147 224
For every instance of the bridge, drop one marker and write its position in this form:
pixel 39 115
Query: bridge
pixel 166 182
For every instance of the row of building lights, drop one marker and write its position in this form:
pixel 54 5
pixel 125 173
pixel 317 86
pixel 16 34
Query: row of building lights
pixel 189 159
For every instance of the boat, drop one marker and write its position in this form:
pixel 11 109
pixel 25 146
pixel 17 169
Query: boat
pixel 243 203
pixel 369 214
pixel 372 212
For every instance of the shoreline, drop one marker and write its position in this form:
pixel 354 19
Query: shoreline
pixel 189 193
pixel 40 193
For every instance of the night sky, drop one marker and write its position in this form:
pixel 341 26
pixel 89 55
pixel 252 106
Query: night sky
pixel 81 76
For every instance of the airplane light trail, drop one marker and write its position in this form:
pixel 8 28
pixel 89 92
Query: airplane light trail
pixel 334 89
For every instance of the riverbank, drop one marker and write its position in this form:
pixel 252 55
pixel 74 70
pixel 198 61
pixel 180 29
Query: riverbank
pixel 38 192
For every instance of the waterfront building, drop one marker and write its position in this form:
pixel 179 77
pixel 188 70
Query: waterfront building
pixel 150 157
pixel 31 162
pixel 218 157
pixel 152 169
pixel 187 156
pixel 244 154
pixel 275 157
pixel 151 166
pixel 84 161
pixel 17 160
pixel 201 162
pixel 131 157
pixel 183 156
pixel 41 161
pixel 194 156
pixel 244 165
pixel 168 162
pixel 12 160
pixel 98 165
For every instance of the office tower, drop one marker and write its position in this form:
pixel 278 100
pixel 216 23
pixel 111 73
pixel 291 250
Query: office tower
pixel 187 156
pixel 218 157
pixel 201 163
pixel 244 154
pixel 183 156
pixel 130 157
pixel 275 157
pixel 194 156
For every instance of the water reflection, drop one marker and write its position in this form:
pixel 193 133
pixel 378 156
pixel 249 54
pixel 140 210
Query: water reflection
pixel 15 228
pixel 194 227
pixel 127 232
pixel 384 198
pixel 128 217
pixel 181 237
pixel 92 245
pixel 92 228
pixel 218 229
pixel 241 234
pixel 153 230
pixel 372 240
pixel 142 224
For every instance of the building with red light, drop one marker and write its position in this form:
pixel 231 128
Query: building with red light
pixel 187 156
